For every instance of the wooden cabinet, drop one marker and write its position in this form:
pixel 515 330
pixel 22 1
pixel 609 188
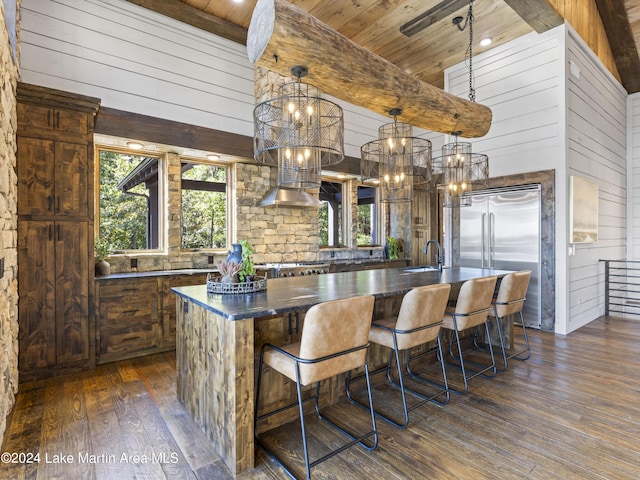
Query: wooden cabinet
pixel 55 231
pixel 128 318
pixel 425 225
pixel 53 280
pixel 53 116
pixel 169 302
pixel 136 315
pixel 53 181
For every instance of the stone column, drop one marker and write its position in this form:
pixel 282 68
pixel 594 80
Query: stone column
pixel 277 233
pixel 8 229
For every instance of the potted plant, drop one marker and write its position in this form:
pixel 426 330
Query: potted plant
pixel 228 271
pixel 101 250
pixel 393 248
pixel 248 271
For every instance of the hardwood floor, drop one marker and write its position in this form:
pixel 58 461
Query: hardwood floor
pixel 571 411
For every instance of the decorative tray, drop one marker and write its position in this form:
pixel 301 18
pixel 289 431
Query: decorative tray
pixel 214 285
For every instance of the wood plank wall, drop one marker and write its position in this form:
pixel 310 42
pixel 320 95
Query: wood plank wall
pixel 633 177
pixel 546 118
pixel 137 61
pixel 597 151
pixel 141 62
pixel 522 83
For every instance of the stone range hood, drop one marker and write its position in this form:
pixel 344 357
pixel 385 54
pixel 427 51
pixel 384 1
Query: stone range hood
pixel 289 197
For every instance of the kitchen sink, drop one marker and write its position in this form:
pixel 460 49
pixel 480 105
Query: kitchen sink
pixel 427 268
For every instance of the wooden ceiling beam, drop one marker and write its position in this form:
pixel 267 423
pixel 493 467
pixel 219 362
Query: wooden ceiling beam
pixel 196 18
pixel 539 14
pixel 623 46
pixel 282 36
pixel 432 16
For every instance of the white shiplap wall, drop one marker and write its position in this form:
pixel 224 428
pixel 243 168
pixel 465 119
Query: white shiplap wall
pixel 633 178
pixel 597 151
pixel 546 117
pixel 142 62
pixel 523 84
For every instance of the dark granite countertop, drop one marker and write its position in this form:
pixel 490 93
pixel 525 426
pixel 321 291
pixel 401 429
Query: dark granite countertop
pixel 300 293
pixel 156 273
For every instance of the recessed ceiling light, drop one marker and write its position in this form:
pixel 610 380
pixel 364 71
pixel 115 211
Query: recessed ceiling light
pixel 485 42
pixel 134 145
pixel 213 156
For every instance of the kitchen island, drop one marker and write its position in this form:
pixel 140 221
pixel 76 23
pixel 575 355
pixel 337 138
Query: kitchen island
pixel 220 336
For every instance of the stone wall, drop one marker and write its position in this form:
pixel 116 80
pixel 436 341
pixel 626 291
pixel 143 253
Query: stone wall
pixel 8 229
pixel 277 233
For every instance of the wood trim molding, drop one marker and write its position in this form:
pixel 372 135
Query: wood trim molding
pixel 196 18
pixel 119 123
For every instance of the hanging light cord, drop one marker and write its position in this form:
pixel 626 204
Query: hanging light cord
pixel 468 21
pixel 472 90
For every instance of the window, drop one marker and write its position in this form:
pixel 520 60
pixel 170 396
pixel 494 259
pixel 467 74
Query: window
pixel 204 206
pixel 130 206
pixel 367 218
pixel 330 214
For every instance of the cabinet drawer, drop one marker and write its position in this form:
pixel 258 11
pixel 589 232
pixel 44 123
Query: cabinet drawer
pixel 115 290
pixel 128 309
pixel 127 341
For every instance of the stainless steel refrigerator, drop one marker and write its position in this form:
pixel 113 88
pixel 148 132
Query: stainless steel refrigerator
pixel 501 229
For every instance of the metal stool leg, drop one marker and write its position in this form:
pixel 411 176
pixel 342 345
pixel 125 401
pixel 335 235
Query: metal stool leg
pixel 517 356
pixel 466 377
pixel 394 354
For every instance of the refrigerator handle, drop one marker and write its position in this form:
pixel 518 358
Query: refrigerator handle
pixel 492 238
pixel 482 242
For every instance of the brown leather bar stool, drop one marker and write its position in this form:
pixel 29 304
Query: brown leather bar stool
pixel 418 322
pixel 510 301
pixel 334 340
pixel 472 310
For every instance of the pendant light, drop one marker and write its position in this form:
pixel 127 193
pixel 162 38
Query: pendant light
pixel 395 160
pixel 459 169
pixel 299 132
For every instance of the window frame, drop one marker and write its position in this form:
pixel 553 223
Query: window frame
pixel 344 217
pixel 162 193
pixel 379 216
pixel 228 198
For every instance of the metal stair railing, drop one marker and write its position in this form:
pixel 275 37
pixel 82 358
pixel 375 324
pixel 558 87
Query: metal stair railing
pixel 621 287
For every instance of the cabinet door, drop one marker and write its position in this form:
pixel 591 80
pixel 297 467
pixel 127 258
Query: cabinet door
pixel 35 116
pixel 169 303
pixel 36 304
pixel 45 118
pixel 71 175
pixel 52 178
pixel 128 318
pixel 72 291
pixel 71 121
pixel 36 166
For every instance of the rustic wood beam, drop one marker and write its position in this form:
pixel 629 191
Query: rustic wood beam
pixel 432 16
pixel 539 14
pixel 623 46
pixel 196 18
pixel 119 123
pixel 282 35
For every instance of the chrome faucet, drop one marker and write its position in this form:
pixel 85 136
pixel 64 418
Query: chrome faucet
pixel 439 256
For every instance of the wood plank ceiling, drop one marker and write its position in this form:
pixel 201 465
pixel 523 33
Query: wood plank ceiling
pixel 432 43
